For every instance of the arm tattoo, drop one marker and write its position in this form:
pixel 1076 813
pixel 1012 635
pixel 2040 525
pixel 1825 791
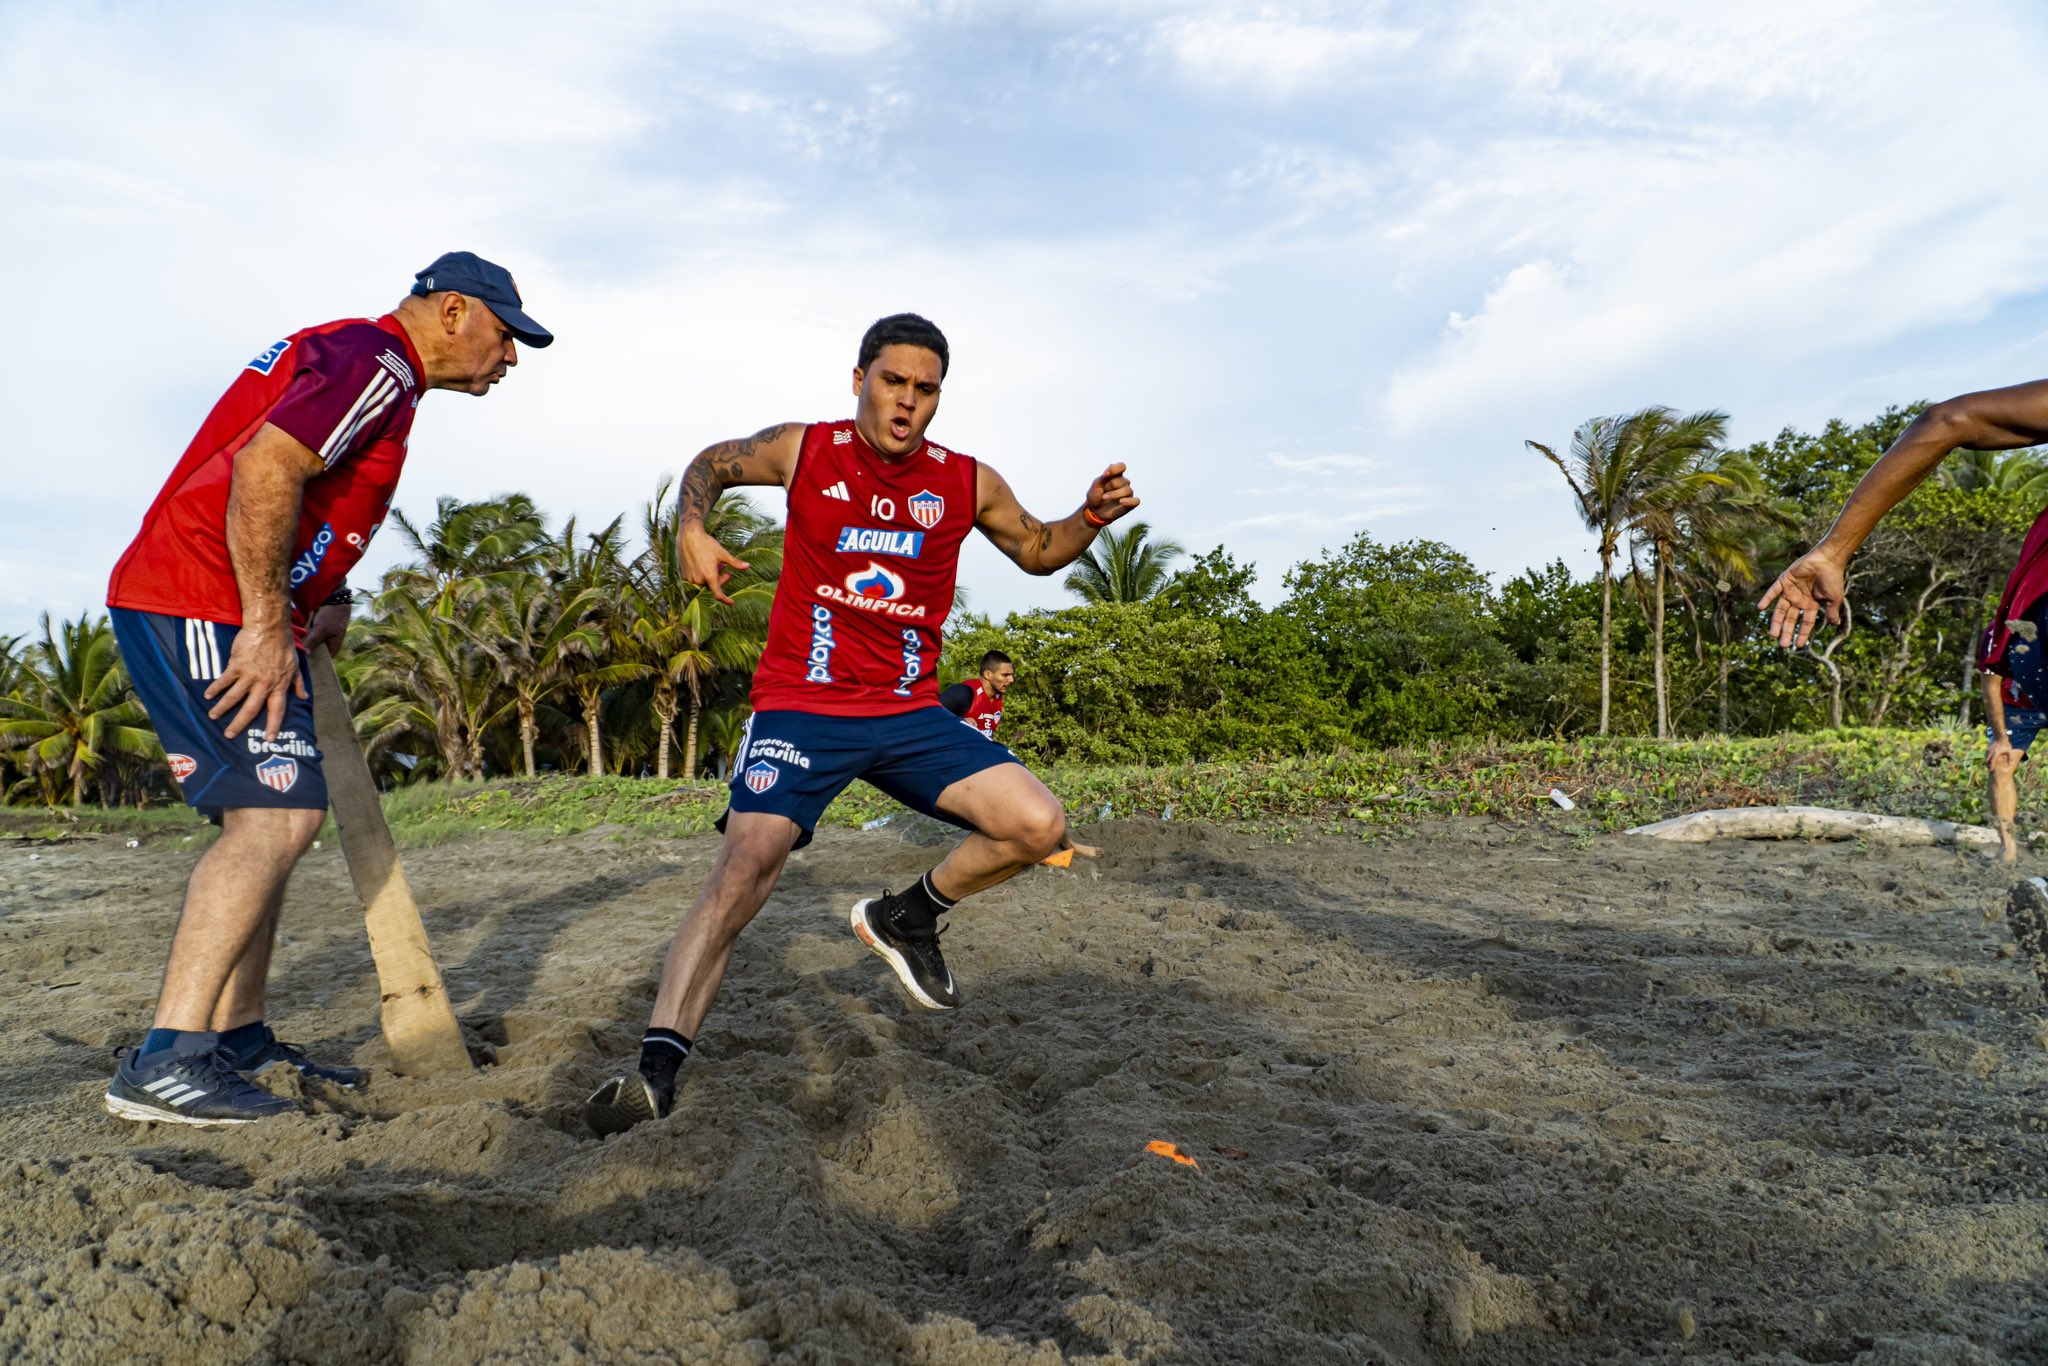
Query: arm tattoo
pixel 701 488
pixel 721 467
pixel 1037 530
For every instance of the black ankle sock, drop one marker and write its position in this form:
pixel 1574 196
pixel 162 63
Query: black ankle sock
pixel 918 906
pixel 661 1052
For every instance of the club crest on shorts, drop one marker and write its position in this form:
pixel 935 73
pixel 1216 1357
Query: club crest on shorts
pixel 761 777
pixel 278 773
pixel 927 507
pixel 182 765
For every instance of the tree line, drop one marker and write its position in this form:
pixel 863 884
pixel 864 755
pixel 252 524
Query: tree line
pixel 502 645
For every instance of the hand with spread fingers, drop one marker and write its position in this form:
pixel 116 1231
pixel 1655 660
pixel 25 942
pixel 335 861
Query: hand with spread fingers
pixel 1814 584
pixel 705 561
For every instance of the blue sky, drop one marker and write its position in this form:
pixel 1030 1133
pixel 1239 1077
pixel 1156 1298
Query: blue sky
pixel 1308 269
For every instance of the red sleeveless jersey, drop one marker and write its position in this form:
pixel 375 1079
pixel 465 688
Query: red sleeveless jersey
pixel 346 390
pixel 984 713
pixel 868 568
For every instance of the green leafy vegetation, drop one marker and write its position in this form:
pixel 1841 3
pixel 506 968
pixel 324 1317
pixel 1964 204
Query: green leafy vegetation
pixel 506 646
pixel 1614 783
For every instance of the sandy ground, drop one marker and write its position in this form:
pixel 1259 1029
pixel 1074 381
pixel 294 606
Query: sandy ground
pixel 1468 1094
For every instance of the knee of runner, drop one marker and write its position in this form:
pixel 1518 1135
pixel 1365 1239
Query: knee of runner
pixel 1041 827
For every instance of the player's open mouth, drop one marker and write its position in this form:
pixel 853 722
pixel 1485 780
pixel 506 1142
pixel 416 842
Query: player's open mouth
pixel 899 429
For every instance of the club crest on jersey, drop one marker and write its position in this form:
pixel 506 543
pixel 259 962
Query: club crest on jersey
pixel 926 507
pixel 761 777
pixel 870 540
pixel 263 364
pixel 183 766
pixel 278 773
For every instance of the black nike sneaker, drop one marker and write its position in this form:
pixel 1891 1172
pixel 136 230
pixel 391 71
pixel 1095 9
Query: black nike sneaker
pixel 913 954
pixel 624 1101
pixel 192 1082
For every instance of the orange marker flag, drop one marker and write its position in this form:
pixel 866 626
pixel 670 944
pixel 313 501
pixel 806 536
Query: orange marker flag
pixel 1165 1149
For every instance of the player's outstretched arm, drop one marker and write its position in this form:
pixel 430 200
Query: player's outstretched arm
pixel 1816 583
pixel 767 457
pixel 1047 547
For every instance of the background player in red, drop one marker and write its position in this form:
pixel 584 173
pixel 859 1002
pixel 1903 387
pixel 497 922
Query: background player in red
pixel 847 686
pixel 979 702
pixel 238 570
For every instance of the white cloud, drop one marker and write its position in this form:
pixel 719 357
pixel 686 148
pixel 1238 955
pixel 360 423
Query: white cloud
pixel 1278 54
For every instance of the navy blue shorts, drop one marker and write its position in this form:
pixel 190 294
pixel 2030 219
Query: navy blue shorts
pixel 793 763
pixel 2021 726
pixel 173 661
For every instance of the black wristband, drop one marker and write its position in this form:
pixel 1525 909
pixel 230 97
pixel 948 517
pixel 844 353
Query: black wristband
pixel 339 596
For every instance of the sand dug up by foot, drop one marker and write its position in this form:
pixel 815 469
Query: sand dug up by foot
pixel 1464 1094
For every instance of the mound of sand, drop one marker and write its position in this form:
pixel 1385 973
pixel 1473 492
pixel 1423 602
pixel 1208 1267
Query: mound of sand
pixel 1471 1094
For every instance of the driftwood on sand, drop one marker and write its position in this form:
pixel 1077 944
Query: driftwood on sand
pixel 1814 823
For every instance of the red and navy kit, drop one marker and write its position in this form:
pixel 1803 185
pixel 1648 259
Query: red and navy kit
pixel 973 703
pixel 346 390
pixel 868 570
pixel 847 684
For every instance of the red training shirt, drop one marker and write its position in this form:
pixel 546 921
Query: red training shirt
pixel 868 569
pixel 347 391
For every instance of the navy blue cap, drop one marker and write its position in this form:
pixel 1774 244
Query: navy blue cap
pixel 465 272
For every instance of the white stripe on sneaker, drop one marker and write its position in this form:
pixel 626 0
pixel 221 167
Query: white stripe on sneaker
pixel 161 1083
pixel 193 1094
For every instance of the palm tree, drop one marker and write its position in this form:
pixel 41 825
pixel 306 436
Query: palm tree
pixel 2023 473
pixel 1677 500
pixel 595 566
pixel 431 676
pixel 1615 466
pixel 683 634
pixel 73 710
pixel 1721 556
pixel 1124 566
pixel 468 541
pixel 531 630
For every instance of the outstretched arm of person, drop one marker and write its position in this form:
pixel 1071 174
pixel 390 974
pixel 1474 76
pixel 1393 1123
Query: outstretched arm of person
pixel 767 457
pixel 264 494
pixel 1816 583
pixel 1048 547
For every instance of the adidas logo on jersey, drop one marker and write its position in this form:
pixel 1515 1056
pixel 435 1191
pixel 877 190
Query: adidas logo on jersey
pixel 842 437
pixel 838 491
pixel 938 453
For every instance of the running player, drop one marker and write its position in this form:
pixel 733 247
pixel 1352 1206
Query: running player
pixel 238 571
pixel 846 687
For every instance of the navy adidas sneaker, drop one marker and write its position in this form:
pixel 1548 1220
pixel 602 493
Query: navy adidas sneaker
pixel 624 1101
pixel 913 954
pixel 191 1082
pixel 272 1051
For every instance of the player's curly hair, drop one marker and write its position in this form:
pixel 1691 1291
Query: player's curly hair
pixel 904 329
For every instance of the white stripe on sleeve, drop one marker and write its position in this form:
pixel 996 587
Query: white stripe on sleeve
pixel 377 395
